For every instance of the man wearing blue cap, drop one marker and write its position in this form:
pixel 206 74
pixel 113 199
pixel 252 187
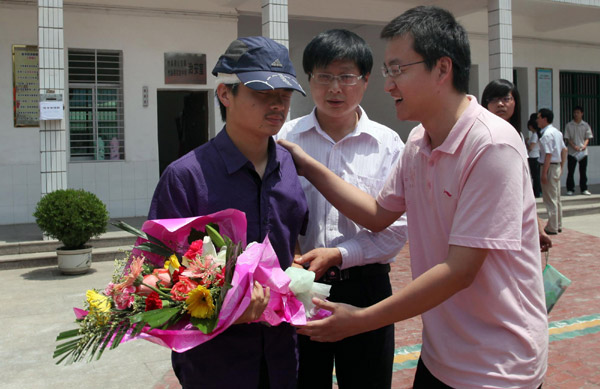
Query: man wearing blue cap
pixel 243 168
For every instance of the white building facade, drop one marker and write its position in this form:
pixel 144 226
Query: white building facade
pixel 125 119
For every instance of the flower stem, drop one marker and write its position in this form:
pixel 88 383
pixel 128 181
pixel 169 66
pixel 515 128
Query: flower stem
pixel 160 293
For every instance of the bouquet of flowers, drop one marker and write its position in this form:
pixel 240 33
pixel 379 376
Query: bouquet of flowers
pixel 185 282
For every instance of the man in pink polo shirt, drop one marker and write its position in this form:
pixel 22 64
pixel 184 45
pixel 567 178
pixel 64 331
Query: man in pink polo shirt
pixel 464 184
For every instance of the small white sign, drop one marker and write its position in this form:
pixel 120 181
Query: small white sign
pixel 51 110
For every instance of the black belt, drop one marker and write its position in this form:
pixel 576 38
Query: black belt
pixel 554 163
pixel 334 274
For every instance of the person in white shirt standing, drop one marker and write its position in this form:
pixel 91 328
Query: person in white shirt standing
pixel 354 260
pixel 553 154
pixel 578 134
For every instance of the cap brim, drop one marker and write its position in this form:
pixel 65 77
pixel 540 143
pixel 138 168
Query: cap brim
pixel 269 81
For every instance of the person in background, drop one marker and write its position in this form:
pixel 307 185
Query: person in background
pixel 578 134
pixel 463 173
pixel 533 148
pixel 243 168
pixel 502 98
pixel 553 154
pixel 352 259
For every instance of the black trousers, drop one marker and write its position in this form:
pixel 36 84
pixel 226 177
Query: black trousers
pixel 361 361
pixel 571 163
pixel 534 170
pixel 425 380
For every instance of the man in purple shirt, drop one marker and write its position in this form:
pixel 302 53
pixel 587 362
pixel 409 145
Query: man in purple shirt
pixel 243 168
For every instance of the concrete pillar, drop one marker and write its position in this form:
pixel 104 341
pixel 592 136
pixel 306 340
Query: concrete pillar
pixel 500 39
pixel 275 21
pixel 53 136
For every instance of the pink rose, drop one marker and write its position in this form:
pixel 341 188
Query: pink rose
pixel 181 289
pixel 163 276
pixel 160 276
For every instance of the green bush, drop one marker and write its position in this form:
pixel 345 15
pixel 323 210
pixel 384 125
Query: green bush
pixel 72 216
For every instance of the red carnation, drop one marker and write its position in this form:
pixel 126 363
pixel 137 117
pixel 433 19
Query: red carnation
pixel 153 302
pixel 194 249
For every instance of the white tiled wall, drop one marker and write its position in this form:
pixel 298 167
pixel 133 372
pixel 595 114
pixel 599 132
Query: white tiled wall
pixel 18 200
pixel 125 188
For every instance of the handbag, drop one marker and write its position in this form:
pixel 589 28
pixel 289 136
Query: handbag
pixel 555 284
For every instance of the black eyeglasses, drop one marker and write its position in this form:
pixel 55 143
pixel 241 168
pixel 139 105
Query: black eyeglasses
pixel 395 70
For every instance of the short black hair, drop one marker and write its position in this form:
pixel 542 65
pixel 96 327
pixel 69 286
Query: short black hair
pixel 337 44
pixel 547 114
pixel 578 108
pixel 501 88
pixel 436 34
pixel 222 108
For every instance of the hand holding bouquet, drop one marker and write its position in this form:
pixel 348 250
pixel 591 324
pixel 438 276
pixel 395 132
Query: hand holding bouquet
pixel 186 281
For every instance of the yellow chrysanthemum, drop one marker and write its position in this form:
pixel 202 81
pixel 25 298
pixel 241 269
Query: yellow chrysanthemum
pixel 200 303
pixel 99 305
pixel 172 261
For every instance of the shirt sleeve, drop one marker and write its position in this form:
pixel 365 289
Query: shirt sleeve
pixel 170 198
pixel 368 247
pixel 391 196
pixel 489 212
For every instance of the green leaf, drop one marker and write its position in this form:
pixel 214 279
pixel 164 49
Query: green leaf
pixel 157 317
pixel 139 233
pixel 132 230
pixel 205 325
pixel 216 238
pixel 155 249
pixel 67 334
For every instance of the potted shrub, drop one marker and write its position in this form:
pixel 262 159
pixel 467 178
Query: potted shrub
pixel 72 216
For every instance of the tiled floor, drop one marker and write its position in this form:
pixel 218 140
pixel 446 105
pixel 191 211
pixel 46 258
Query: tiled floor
pixel 574 354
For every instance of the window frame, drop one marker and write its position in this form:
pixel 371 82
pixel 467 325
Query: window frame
pixel 77 81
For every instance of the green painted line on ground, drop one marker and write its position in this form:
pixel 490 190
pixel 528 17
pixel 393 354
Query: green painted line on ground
pixel 581 319
pixel 412 362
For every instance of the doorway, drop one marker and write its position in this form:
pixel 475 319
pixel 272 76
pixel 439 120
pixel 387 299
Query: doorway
pixel 182 123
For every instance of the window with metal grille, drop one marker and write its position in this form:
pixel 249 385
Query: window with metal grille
pixel 96 105
pixel 581 89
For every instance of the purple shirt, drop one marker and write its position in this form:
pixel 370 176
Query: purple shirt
pixel 217 176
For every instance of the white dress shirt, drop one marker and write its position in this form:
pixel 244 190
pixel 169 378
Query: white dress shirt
pixel 551 142
pixel 363 158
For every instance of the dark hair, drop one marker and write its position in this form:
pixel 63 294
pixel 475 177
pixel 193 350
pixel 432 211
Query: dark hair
pixel 234 91
pixel 547 114
pixel 501 88
pixel 578 108
pixel 337 44
pixel 532 125
pixel 436 34
pixel 533 122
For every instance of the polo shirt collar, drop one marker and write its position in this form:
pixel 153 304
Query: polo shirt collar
pixel 458 132
pixel 234 160
pixel 312 124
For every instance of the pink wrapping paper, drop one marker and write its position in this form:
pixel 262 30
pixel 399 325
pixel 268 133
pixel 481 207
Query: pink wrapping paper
pixel 258 262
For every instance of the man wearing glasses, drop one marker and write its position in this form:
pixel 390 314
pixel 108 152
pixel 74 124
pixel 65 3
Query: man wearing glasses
pixel 463 180
pixel 354 260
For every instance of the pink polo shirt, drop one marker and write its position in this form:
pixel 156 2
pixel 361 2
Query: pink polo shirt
pixel 474 190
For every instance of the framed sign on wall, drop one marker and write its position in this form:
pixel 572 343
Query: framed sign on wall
pixel 26 86
pixel 543 82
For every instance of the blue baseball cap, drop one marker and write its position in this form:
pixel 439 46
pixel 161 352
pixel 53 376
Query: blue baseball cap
pixel 260 63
